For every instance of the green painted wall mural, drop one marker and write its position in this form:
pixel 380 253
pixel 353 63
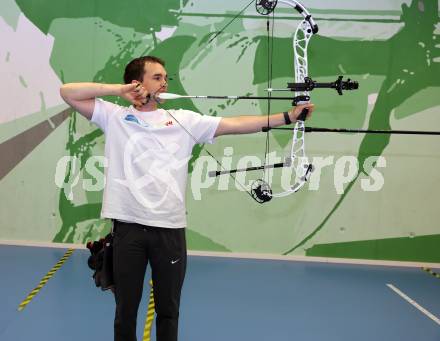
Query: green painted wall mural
pixel 372 196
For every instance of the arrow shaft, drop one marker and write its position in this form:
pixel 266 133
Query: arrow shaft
pixel 235 97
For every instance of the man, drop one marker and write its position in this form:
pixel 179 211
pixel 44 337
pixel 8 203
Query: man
pixel 148 150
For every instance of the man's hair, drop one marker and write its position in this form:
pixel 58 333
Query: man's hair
pixel 135 69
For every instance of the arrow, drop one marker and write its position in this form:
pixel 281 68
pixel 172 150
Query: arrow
pixel 167 95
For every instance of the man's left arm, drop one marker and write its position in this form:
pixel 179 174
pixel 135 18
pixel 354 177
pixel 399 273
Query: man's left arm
pixel 254 124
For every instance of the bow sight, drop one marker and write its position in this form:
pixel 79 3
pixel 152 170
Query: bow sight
pixel 309 84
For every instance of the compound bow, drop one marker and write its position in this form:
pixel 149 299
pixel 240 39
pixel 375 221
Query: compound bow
pixel 297 159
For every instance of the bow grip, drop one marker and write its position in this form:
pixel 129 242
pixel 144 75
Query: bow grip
pixel 303 115
pixel 304 112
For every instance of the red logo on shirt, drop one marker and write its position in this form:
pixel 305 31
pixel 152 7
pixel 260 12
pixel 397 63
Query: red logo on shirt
pixel 169 123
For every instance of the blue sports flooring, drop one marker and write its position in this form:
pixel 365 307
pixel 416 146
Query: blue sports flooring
pixel 224 299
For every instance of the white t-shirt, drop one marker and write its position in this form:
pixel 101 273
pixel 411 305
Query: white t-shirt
pixel 147 155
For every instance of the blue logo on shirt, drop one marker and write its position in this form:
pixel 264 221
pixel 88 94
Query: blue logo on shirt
pixel 134 119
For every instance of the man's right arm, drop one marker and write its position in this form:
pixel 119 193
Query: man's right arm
pixel 81 96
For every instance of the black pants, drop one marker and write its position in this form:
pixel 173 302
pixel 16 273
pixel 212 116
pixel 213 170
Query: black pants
pixel 134 246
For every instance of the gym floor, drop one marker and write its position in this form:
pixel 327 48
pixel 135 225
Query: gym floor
pixel 226 299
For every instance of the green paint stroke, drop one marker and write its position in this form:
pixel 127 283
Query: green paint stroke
pixel 10 13
pixel 422 249
pixel 413 48
pixel 22 81
pixel 137 16
pixel 196 241
pixel 70 213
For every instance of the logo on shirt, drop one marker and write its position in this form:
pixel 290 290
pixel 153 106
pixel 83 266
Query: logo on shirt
pixel 133 119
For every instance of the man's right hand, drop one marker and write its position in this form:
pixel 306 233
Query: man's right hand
pixel 135 93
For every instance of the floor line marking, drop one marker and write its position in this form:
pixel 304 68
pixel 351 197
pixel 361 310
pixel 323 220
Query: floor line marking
pixel 429 270
pixel 414 303
pixel 45 279
pixel 150 315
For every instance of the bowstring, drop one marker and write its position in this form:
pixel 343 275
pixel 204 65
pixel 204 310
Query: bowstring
pixel 270 39
pixel 230 22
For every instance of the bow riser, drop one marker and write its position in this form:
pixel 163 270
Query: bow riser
pixel 303 33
